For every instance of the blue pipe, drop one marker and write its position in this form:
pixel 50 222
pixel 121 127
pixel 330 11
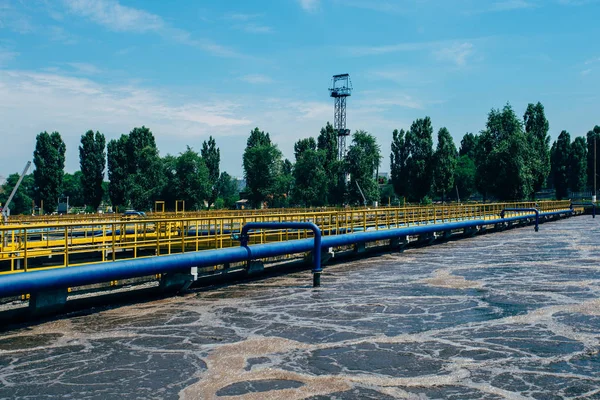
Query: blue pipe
pixel 586 204
pixel 535 210
pixel 39 281
pixel 291 225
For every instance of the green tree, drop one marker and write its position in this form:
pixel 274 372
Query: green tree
pixel 92 161
pixel 145 179
pixel 398 158
pixel 228 190
pixel 49 161
pixel 593 135
pixel 363 158
pixel 169 193
pixel 578 165
pixel 468 146
pixel 310 178
pixel 118 171
pixel 73 188
pixel 327 142
pixel 284 184
pixel 22 202
pixel 304 144
pixel 262 164
pixel 560 162
pixel 536 130
pixel 193 184
pixel 419 144
pixel 444 164
pixel 503 157
pixel 137 141
pixel 211 155
pixel 464 177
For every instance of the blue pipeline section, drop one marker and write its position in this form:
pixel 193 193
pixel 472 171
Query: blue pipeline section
pixel 39 281
pixel 593 205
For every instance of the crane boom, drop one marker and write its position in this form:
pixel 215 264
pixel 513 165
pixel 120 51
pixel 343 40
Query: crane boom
pixel 14 191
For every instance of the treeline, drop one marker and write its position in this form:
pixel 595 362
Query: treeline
pixel 137 175
pixel 511 159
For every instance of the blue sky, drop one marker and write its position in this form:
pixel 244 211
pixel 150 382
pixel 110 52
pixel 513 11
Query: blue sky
pixel 190 69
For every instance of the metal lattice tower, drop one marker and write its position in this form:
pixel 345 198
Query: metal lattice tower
pixel 341 87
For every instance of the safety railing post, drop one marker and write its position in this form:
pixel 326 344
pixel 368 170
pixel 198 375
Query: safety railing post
pixel 25 249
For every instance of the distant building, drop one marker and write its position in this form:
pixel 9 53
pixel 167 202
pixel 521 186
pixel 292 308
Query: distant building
pixel 241 182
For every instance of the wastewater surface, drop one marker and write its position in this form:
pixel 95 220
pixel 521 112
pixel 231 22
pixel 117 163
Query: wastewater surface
pixel 509 315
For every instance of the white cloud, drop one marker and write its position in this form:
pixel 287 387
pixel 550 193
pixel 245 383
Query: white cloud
pixel 59 34
pixel 84 68
pixel 31 102
pixel 586 72
pixel 256 79
pixel 508 5
pixel 456 53
pixel 7 55
pixel 256 28
pixel 503 5
pixel 309 5
pixel 116 17
pixel 360 51
pixel 592 61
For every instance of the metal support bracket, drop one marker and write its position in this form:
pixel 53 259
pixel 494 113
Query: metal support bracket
pixel 244 239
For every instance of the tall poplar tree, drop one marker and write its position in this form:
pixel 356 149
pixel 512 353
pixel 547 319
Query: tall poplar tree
pixel 419 144
pixel 211 155
pixel 444 164
pixel 49 161
pixel 398 163
pixel 560 162
pixel 578 165
pixel 92 161
pixel 536 130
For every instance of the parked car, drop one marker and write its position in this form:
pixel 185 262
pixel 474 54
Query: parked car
pixel 133 214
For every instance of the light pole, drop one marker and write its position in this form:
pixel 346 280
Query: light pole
pixel 594 194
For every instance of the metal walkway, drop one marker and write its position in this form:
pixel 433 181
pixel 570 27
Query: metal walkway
pixel 29 245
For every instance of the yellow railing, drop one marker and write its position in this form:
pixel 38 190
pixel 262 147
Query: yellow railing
pixel 25 247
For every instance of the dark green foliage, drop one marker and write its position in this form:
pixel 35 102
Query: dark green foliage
pixel 398 158
pixel 578 165
pixel 262 165
pixel 22 202
pixel 228 190
pixel 444 164
pixel 419 145
pixel 192 179
pixel 468 146
pixel 593 135
pixel 146 185
pixel 135 170
pixel 310 178
pixel 92 161
pixel 138 140
pixel 304 144
pixel 211 155
pixel 536 130
pixel 364 157
pixel 386 194
pixel 72 186
pixel 503 158
pixel 284 184
pixel 169 193
pixel 328 144
pixel 49 161
pixel 464 177
pixel 560 161
pixel 117 171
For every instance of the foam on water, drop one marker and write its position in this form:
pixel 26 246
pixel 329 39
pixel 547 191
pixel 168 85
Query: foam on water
pixel 511 315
